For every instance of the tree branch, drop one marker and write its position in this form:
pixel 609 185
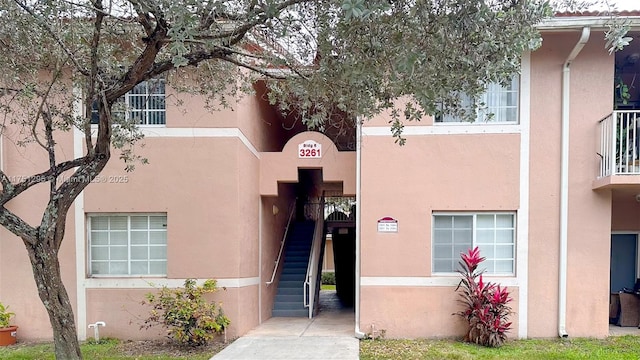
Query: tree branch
pixel 10 190
pixel 253 68
pixel 49 30
pixel 51 147
pixel 91 87
pixel 18 226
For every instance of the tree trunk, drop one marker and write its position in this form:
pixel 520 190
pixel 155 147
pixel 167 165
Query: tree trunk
pixel 46 272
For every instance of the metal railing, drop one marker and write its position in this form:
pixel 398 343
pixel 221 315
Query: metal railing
pixel 619 141
pixel 282 243
pixel 311 277
pixel 339 208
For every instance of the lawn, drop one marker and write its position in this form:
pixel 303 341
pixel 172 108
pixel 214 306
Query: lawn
pixel 623 347
pixel 327 287
pixel 114 350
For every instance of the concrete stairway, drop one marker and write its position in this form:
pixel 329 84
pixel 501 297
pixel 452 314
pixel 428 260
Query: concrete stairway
pixel 289 296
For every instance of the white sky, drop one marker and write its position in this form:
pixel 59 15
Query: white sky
pixel 627 4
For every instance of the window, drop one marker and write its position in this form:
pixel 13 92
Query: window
pixel 493 233
pixel 500 105
pixel 128 244
pixel 144 104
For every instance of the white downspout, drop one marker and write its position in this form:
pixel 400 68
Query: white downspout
pixel 261 283
pixel 359 334
pixel 564 183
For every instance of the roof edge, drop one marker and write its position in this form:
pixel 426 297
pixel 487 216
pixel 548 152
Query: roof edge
pixel 594 22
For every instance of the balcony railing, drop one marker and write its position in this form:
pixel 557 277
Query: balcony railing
pixel 619 153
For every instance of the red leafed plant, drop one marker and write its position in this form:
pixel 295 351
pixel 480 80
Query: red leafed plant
pixel 486 306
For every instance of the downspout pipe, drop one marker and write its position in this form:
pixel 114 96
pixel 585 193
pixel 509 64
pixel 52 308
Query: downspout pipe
pixel 359 334
pixel 564 183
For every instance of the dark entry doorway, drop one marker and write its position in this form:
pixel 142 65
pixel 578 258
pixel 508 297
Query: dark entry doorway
pixel 624 250
pixel 344 255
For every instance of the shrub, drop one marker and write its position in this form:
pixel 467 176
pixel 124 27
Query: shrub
pixel 189 318
pixel 485 304
pixel 5 316
pixel 328 278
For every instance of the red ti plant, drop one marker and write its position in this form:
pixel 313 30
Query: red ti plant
pixel 485 304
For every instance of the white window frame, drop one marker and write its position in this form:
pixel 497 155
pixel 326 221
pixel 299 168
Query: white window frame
pixel 474 242
pixel 482 113
pixel 127 101
pixel 90 260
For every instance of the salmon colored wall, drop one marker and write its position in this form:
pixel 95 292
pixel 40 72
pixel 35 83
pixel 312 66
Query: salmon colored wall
pixel 383 119
pixel 122 311
pixel 194 180
pixel 328 263
pixel 416 312
pixel 589 218
pixel 544 193
pixel 17 287
pixel 248 203
pixel 625 212
pixel 190 111
pixel 429 173
pixel 590 212
pixel 259 122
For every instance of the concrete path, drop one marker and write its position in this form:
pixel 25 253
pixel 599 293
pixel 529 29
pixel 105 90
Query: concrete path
pixel 330 335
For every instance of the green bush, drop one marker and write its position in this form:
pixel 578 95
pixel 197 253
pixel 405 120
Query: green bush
pixel 189 318
pixel 328 278
pixel 5 316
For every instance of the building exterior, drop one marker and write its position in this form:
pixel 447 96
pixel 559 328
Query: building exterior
pixel 548 189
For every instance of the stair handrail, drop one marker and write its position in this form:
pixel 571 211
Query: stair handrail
pixel 282 243
pixel 314 258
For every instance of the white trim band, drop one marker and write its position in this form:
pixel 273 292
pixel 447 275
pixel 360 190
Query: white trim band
pixel 161 131
pixel 423 281
pixel 442 129
pixel 153 132
pixel 149 283
pixel 522 228
pixel 79 227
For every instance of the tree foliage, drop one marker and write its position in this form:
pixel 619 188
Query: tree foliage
pixel 331 59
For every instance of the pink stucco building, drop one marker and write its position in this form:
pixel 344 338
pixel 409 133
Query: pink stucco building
pixel 548 189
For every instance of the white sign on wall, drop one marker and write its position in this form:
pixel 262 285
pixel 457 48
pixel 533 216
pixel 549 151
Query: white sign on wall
pixel 388 225
pixel 310 150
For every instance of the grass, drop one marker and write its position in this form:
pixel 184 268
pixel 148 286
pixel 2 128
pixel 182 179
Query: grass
pixel 327 287
pixel 622 347
pixel 110 349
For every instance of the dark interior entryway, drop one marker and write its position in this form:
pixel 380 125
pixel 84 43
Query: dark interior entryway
pixel 344 256
pixel 623 261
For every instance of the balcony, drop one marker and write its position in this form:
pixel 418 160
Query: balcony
pixel 619 150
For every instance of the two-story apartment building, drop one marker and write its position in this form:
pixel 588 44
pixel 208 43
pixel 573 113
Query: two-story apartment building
pixel 547 187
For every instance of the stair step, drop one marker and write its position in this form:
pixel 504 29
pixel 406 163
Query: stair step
pixel 303 249
pixel 293 298
pixel 289 299
pixel 290 283
pixel 295 305
pixel 295 264
pixel 290 313
pixel 293 277
pixel 295 270
pixel 296 256
pixel 290 291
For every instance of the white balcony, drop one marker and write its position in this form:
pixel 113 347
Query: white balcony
pixel 619 151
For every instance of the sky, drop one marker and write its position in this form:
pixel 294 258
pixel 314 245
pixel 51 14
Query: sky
pixel 627 4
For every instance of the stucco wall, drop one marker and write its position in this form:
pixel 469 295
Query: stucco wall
pixel 589 211
pixel 17 287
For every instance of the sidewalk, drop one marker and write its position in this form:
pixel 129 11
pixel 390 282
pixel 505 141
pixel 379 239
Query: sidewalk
pixel 330 335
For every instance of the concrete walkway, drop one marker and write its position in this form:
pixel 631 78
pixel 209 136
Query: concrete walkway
pixel 330 335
